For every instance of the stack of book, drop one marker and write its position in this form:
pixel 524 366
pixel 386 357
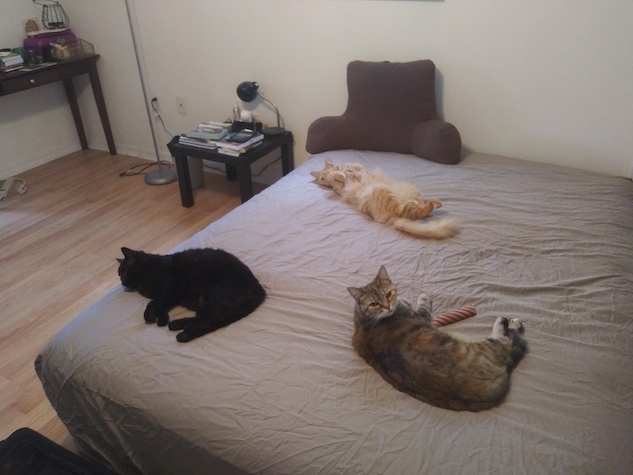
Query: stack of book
pixel 227 143
pixel 210 130
pixel 10 61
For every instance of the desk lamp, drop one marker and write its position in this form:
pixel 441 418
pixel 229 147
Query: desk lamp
pixel 248 91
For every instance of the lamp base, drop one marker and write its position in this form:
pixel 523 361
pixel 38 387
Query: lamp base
pixel 162 176
pixel 272 131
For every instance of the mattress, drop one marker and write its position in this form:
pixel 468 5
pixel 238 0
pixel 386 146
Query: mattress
pixel 282 391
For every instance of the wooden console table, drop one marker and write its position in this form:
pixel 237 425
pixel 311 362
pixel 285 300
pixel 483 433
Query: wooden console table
pixel 22 80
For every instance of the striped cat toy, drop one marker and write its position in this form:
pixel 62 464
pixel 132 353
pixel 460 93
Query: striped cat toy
pixel 454 316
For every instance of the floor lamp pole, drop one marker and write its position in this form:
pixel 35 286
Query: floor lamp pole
pixel 161 176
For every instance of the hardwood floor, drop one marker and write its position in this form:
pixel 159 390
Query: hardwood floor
pixel 58 244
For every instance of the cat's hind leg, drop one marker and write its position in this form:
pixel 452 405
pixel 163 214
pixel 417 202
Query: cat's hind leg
pixel 519 345
pixel 516 325
pixel 499 328
pixel 511 332
pixel 197 327
pixel 415 210
pixel 507 328
pixel 180 323
pixel 383 206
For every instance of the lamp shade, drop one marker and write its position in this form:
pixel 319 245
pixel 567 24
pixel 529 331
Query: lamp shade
pixel 247 91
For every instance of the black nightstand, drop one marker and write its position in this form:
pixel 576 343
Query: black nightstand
pixel 236 167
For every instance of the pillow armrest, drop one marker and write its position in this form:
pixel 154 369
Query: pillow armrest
pixel 437 141
pixel 433 140
pixel 329 133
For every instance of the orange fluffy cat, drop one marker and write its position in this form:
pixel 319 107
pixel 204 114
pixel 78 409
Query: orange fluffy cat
pixel 386 200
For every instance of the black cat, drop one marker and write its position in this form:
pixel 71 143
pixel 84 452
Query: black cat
pixel 215 284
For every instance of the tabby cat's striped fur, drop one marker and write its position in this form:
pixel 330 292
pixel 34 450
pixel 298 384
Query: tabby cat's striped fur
pixel 401 343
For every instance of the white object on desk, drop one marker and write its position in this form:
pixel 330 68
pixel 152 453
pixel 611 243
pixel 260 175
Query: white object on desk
pixel 246 116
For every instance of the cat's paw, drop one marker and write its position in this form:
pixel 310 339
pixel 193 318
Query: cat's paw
pixel 406 302
pixel 435 203
pixel 162 320
pixel 499 328
pixel 150 315
pixel 516 324
pixel 155 314
pixel 425 302
pixel 183 337
pixel 337 181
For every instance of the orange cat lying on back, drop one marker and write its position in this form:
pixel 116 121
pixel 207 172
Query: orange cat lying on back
pixel 386 200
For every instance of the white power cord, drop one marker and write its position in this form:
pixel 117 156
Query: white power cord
pixel 5 189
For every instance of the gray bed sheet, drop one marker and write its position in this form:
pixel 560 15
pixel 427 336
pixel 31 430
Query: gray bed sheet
pixel 282 391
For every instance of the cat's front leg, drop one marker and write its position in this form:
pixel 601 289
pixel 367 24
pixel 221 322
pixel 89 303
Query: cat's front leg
pixel 424 306
pixel 155 313
pixel 337 181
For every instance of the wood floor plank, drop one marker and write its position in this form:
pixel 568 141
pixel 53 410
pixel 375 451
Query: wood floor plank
pixel 58 245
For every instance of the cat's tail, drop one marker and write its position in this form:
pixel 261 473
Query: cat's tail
pixel 431 228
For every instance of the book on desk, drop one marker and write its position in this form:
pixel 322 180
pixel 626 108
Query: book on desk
pixel 210 130
pixel 10 61
pixel 231 143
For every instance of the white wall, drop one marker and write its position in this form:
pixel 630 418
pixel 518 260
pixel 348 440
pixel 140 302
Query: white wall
pixel 547 80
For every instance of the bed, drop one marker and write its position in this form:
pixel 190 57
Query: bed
pixel 282 391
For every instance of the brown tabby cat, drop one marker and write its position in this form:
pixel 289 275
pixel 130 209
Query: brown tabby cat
pixel 385 199
pixel 411 354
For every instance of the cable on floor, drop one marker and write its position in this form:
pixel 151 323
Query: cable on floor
pixel 143 167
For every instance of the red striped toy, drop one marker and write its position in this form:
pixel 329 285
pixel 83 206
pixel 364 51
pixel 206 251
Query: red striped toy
pixel 454 316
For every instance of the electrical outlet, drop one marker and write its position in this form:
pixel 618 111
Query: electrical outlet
pixel 181 106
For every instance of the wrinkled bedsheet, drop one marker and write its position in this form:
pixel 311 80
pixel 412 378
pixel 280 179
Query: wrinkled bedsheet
pixel 282 391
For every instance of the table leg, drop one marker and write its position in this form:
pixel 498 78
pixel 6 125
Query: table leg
pixel 287 158
pixel 184 180
pixel 246 182
pixel 231 172
pixel 74 107
pixel 101 106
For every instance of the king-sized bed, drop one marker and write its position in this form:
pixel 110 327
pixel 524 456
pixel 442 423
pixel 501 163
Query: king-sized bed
pixel 282 390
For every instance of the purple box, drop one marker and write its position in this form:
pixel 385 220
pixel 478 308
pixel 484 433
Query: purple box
pixel 40 44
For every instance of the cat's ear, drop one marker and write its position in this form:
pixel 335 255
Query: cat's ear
pixel 382 274
pixel 315 174
pixel 127 252
pixel 120 261
pixel 355 292
pixel 329 163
